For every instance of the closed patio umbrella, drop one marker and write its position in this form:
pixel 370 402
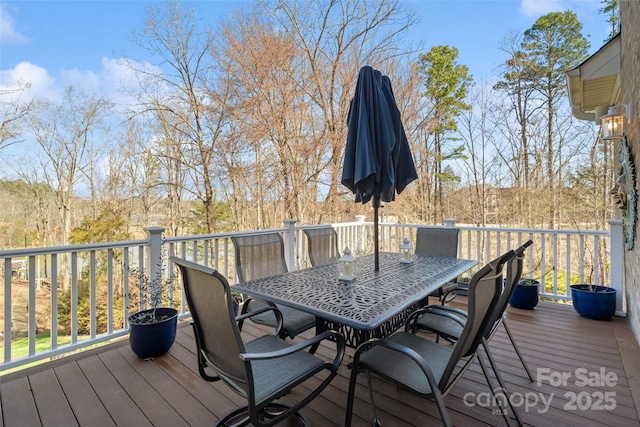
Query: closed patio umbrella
pixel 377 161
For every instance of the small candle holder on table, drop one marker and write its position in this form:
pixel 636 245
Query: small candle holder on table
pixel 347 266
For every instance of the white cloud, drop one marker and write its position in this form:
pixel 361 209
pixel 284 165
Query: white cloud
pixel 116 80
pixel 84 80
pixel 124 80
pixel 8 33
pixel 40 84
pixel 119 76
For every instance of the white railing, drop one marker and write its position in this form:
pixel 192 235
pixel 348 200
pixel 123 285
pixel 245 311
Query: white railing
pixel 80 295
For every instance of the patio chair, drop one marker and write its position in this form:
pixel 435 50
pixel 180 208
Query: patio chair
pixel 449 322
pixel 322 245
pixel 446 321
pixel 424 367
pixel 443 242
pixel 261 370
pixel 259 256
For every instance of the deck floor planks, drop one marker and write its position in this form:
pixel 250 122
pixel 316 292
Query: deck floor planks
pixel 193 412
pixel 116 400
pixel 18 406
pixel 86 405
pixel 551 336
pixel 214 396
pixel 53 408
pixel 150 402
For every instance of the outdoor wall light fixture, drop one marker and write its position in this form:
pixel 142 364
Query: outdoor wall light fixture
pixel 347 266
pixel 612 123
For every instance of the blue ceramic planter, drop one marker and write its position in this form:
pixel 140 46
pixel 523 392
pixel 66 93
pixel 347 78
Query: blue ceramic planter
pixel 525 295
pixel 598 305
pixel 148 340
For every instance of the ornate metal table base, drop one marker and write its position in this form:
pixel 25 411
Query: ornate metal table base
pixel 354 337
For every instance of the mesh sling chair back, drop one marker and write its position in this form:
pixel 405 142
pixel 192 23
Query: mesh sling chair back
pixel 443 242
pixel 449 322
pixel 425 367
pixel 445 321
pixel 322 245
pixel 261 370
pixel 259 256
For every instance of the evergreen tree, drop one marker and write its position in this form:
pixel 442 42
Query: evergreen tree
pixel 446 84
pixel 612 9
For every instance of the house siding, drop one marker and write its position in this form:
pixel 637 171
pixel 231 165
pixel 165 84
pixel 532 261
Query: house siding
pixel 629 73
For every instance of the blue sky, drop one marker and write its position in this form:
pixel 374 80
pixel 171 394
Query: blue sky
pixel 57 43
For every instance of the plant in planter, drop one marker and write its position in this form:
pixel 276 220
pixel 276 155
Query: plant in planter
pixel 525 295
pixel 152 328
pixel 594 301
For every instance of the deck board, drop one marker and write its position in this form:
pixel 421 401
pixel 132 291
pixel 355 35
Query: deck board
pixel 111 386
pixel 171 391
pixel 113 396
pixel 18 403
pixel 53 408
pixel 146 397
pixel 86 405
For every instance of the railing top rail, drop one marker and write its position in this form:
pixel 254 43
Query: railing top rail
pixel 254 232
pixel 337 225
pixel 122 244
pixel 222 235
pixel 514 230
pixel 10 253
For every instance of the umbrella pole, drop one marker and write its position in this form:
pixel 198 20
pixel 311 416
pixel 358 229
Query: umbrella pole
pixel 376 205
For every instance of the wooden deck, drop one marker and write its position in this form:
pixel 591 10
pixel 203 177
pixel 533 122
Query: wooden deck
pixel 111 387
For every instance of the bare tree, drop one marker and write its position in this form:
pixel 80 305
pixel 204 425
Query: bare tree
pixel 293 68
pixel 65 134
pixel 13 114
pixel 335 39
pixel 274 118
pixel 165 173
pixel 174 92
pixel 478 132
pixel 415 203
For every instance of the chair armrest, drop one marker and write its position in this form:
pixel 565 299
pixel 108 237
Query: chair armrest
pixel 520 250
pixel 246 315
pixel 444 308
pixel 247 300
pixel 339 340
pixel 455 314
pixel 433 309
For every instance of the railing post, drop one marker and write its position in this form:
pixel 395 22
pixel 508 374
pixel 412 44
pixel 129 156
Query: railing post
pixel 290 243
pixel 449 222
pixel 361 230
pixel 7 310
pixel 154 255
pixel 616 242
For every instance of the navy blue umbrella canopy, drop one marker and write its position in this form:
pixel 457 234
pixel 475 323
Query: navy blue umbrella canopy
pixel 377 161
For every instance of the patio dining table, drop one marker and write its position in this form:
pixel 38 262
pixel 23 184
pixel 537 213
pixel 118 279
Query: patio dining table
pixel 374 304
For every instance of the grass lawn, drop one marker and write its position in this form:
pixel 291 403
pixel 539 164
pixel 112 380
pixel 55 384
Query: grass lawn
pixel 20 348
